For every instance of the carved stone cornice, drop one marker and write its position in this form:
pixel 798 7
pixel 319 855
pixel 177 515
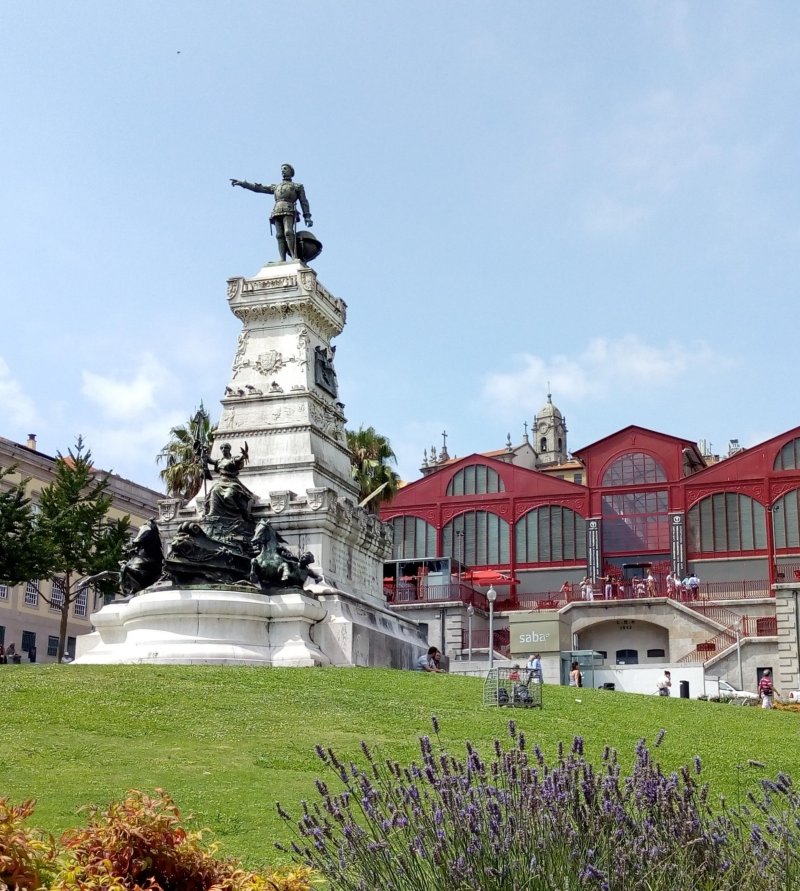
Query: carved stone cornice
pixel 283 297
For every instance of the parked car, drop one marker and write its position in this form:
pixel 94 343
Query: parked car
pixel 727 691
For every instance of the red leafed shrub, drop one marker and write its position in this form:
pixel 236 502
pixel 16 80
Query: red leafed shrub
pixel 139 845
pixel 25 854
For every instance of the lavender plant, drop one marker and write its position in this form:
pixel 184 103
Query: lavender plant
pixel 517 823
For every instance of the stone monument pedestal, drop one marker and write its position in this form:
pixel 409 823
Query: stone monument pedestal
pixel 205 626
pixel 281 409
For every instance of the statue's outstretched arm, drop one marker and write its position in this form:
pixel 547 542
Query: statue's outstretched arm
pixel 253 187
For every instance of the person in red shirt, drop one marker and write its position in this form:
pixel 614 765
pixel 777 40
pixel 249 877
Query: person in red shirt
pixel 766 689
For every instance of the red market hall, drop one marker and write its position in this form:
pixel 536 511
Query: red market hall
pixel 651 510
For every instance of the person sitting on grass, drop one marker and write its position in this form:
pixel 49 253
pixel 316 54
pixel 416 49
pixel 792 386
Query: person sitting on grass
pixel 430 661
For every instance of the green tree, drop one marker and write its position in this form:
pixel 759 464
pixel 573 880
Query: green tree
pixel 22 555
pixel 75 531
pixel 370 456
pixel 184 455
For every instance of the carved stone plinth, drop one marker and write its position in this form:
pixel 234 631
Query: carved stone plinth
pixel 282 399
pixel 205 626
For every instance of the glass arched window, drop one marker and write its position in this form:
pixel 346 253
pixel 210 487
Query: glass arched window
pixel 636 522
pixel 788 458
pixel 633 469
pixel 413 538
pixel 476 479
pixel 485 538
pixel 550 534
pixel 785 514
pixel 727 522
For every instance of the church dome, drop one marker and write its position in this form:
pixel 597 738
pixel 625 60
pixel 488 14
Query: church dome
pixel 549 411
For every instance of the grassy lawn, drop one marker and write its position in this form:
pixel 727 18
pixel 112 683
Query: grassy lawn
pixel 227 743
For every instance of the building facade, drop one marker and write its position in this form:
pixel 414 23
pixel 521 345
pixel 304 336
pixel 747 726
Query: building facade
pixel 26 619
pixel 648 504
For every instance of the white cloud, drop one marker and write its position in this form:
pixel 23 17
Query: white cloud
pixel 16 406
pixel 127 400
pixel 603 368
pixel 130 450
pixel 666 142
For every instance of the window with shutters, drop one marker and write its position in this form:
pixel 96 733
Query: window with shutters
pixel 57 595
pixel 476 479
pixel 81 602
pixel 32 593
pixel 485 538
pixel 726 522
pixel 413 538
pixel 550 534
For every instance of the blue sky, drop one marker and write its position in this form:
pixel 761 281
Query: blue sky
pixel 599 195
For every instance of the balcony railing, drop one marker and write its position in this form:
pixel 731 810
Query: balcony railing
pixel 555 600
pixel 432 594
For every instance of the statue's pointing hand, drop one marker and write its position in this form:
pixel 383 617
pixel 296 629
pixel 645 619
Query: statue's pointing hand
pixel 235 182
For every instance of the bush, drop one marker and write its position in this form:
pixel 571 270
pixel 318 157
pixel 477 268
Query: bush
pixel 139 843
pixel 464 824
pixel 26 855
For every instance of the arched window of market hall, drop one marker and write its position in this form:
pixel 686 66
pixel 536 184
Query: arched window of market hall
pixel 726 522
pixel 788 458
pixel 550 534
pixel 785 514
pixel 485 539
pixel 634 469
pixel 413 538
pixel 476 479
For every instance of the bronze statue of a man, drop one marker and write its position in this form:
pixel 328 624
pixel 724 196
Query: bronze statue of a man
pixel 284 215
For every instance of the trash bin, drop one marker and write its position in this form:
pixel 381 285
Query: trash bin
pixel 684 689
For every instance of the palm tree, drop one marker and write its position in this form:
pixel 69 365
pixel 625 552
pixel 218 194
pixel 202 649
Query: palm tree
pixel 184 455
pixel 370 455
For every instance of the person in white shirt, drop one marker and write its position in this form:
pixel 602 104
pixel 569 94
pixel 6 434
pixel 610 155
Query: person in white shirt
pixel 534 667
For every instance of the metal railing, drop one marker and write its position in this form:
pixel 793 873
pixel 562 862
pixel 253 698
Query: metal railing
pixel 438 594
pixel 555 600
pixel 480 640
pixel 746 626
pixel 708 648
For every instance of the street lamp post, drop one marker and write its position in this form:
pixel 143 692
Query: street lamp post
pixel 491 596
pixel 739 653
pixel 470 614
